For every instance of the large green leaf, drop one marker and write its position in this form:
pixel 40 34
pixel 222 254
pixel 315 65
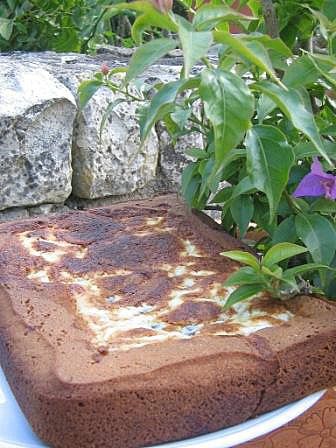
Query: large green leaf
pixel 6 28
pixel 285 231
pixel 209 16
pixel 307 149
pixel 302 269
pixel 269 160
pixel 324 206
pixel 150 17
pixel 280 252
pixel 301 72
pixel 304 71
pixel 329 9
pixel 86 90
pixel 146 55
pixel 292 105
pixel 242 293
pixel 190 182
pixel 195 44
pixel 242 257
pixel 264 107
pixel 107 112
pixel 318 235
pixel 229 106
pixel 244 276
pixel 242 210
pixel 323 65
pixel 275 44
pixel 162 103
pixel 252 50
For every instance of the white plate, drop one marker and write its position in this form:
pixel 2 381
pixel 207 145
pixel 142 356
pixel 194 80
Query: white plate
pixel 15 431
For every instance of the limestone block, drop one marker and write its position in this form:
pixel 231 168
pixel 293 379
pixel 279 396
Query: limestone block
pixel 113 164
pixel 46 209
pixel 36 122
pixel 13 214
pixel 173 158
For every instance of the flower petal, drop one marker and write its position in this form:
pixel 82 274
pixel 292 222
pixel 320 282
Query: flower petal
pixel 310 185
pixel 333 190
pixel 317 169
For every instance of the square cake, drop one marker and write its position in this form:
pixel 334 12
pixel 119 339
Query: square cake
pixel 113 334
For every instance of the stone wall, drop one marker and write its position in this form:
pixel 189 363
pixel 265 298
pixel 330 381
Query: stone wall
pixel 51 154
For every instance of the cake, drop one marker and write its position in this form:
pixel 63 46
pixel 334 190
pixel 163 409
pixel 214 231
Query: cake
pixel 113 334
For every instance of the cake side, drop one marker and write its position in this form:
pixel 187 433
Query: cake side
pixel 112 331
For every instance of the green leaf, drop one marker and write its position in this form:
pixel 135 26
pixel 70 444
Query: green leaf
pixel 303 150
pixel 6 28
pixel 161 104
pixel 244 276
pixel 301 72
pixel 197 153
pixel 253 51
pixel 292 105
pixel 323 205
pixel 275 44
pixel 111 106
pixel 280 252
pixel 242 293
pixel 222 196
pixel 146 55
pixel 318 235
pixel 307 69
pixel 209 16
pixel 205 169
pixel 269 160
pixel 297 270
pixel 329 9
pixel 243 257
pixel 180 117
pixel 190 182
pixel 195 44
pixel 285 231
pixel 317 61
pixel 86 90
pixel 242 210
pixel 150 17
pixel 229 105
pixel 264 107
pixel 325 24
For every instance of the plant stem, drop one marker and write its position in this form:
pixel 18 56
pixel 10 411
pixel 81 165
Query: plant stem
pixel 124 92
pixel 271 21
pixel 291 203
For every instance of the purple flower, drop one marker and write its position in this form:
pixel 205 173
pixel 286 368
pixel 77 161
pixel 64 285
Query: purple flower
pixel 317 183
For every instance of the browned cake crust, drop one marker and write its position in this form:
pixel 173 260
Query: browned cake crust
pixel 112 332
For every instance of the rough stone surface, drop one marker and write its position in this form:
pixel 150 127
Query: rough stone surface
pixel 114 164
pixel 158 185
pixel 36 124
pixel 13 213
pixel 39 122
pixel 173 158
pixel 46 209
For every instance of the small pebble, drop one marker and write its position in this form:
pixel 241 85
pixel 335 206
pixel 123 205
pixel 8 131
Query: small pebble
pixel 146 309
pixel 157 326
pixel 111 299
pixel 190 330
